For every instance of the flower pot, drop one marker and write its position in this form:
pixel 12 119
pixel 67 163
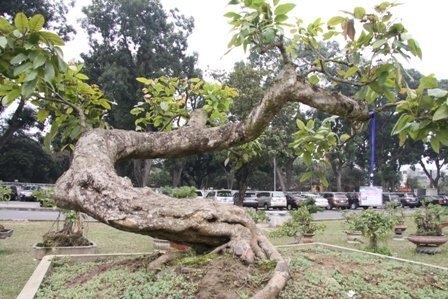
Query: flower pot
pixel 40 252
pixel 160 244
pixel 399 230
pixel 354 237
pixel 179 246
pixel 5 233
pixel 307 238
pixel 428 244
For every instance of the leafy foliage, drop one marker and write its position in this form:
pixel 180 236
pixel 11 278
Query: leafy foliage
pixel 258 216
pixel 429 219
pixel 33 69
pixel 376 226
pixel 301 222
pixel 4 192
pixel 169 102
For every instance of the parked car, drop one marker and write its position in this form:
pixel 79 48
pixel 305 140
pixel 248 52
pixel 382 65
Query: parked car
pixel 26 194
pixel 319 200
pixel 294 200
pixel 249 199
pixel 353 200
pixel 201 193
pixel 434 199
pixel 223 196
pixel 408 200
pixel 390 197
pixel 271 199
pixel 336 200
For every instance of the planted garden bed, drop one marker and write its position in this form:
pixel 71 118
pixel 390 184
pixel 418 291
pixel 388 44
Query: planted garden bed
pixel 317 270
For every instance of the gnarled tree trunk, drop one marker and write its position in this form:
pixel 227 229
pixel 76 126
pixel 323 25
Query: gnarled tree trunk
pixel 92 186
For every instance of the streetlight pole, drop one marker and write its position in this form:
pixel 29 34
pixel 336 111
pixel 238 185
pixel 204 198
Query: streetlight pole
pixel 275 175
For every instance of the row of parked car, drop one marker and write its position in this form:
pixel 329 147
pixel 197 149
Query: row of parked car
pixel 327 200
pixel 277 199
pixel 411 201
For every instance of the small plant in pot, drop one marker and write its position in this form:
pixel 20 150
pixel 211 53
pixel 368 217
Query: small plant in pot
pixel 396 211
pixel 300 226
pixel 4 196
pixel 376 226
pixel 67 239
pixel 350 228
pixel 429 235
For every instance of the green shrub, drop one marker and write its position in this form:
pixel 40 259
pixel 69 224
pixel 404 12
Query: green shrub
pixel 258 216
pixel 179 192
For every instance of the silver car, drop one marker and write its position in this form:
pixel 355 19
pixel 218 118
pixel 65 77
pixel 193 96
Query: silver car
pixel 271 199
pixel 222 196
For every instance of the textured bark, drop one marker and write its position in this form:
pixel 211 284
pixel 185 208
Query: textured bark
pixel 92 186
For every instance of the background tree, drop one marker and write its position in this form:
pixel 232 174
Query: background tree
pixel 23 117
pixel 130 40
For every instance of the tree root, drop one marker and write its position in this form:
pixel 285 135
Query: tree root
pixel 167 257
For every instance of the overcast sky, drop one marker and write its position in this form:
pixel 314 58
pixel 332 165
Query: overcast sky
pixel 423 19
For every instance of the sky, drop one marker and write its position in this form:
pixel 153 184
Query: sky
pixel 424 20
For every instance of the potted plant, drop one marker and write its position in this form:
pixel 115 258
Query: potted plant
pixel 300 226
pixel 396 211
pixel 376 226
pixel 4 196
pixel 429 236
pixel 350 225
pixel 68 239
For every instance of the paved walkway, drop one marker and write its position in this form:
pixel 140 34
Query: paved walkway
pixel 21 205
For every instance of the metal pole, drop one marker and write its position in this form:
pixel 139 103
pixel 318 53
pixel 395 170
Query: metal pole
pixel 275 175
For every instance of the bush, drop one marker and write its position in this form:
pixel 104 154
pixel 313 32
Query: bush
pixel 179 192
pixel 376 226
pixel 258 216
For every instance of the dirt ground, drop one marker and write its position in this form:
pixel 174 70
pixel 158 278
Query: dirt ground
pixel 315 273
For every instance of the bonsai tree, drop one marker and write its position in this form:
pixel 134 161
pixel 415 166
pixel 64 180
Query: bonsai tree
pixel 300 224
pixel 429 219
pixel 376 226
pixel 34 71
pixel 396 211
pixel 350 221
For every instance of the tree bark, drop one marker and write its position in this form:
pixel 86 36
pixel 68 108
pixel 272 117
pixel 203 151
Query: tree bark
pixel 92 186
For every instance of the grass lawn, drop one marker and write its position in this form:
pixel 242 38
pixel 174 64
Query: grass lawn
pixel 17 264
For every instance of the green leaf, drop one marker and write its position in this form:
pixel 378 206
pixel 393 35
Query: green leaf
pixel 314 79
pixel 51 38
pixel 38 61
pixel 21 22
pixel 359 12
pixel 415 48
pixel 441 113
pixel 437 92
pixel 37 22
pixel 165 106
pixel 336 21
pixel 4 25
pixel 31 76
pixel 3 42
pixel 12 95
pixel 351 71
pixel 280 19
pixel 49 72
pixel 42 115
pixel 22 68
pixel 28 88
pixel 435 144
pixel 283 9
pixel 18 59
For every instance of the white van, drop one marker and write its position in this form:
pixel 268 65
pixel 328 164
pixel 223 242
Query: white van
pixel 223 196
